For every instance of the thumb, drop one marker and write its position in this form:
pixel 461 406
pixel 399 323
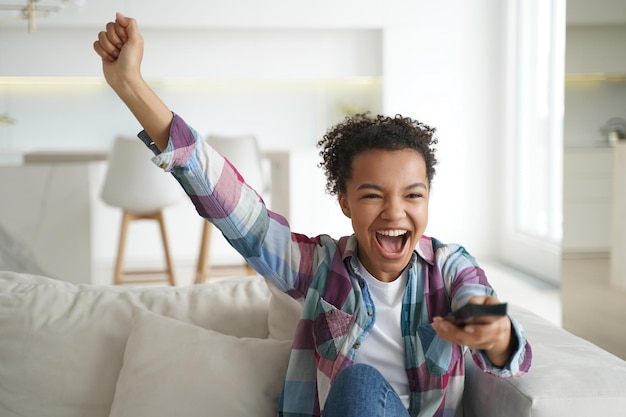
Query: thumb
pixel 122 20
pixel 491 300
pixel 483 299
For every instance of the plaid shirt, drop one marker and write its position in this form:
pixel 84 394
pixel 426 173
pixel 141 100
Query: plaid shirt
pixel 338 311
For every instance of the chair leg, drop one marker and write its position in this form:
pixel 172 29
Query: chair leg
pixel 117 274
pixel 128 217
pixel 203 266
pixel 250 270
pixel 166 249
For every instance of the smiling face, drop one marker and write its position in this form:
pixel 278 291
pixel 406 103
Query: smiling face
pixel 386 198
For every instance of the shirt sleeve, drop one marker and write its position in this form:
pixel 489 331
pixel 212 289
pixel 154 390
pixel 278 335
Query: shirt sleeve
pixel 469 280
pixel 519 362
pixel 221 196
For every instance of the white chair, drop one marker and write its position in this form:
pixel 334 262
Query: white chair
pixel 245 154
pixel 142 190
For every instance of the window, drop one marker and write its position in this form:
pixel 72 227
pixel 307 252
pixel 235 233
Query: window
pixel 533 228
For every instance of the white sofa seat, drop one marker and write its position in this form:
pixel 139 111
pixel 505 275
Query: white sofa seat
pixel 569 377
pixel 221 348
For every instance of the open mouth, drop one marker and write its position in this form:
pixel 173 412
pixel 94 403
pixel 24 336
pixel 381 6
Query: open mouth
pixel 392 241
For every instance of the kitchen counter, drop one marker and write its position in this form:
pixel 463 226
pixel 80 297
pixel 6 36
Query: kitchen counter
pixel 56 156
pixel 64 156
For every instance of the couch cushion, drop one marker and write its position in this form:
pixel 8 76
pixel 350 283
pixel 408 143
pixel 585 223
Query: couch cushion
pixel 174 368
pixel 61 344
pixel 283 315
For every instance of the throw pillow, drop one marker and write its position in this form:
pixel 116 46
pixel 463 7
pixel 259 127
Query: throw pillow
pixel 175 368
pixel 283 315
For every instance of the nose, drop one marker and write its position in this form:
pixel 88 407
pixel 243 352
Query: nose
pixel 393 209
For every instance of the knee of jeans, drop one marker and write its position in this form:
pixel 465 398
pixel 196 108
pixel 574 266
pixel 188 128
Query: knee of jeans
pixel 358 371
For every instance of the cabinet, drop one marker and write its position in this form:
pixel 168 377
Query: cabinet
pixel 587 200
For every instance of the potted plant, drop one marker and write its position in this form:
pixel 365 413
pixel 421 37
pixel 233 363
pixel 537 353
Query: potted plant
pixel 5 119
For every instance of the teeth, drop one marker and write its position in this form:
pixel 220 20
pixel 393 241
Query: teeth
pixel 392 233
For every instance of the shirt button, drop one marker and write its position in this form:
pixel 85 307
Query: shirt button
pixel 370 313
pixel 356 345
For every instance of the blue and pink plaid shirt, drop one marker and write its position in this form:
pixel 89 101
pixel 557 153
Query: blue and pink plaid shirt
pixel 338 312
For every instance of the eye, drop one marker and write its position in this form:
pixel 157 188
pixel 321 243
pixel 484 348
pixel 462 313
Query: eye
pixel 370 196
pixel 415 195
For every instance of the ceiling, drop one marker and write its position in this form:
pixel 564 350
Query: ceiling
pixel 94 12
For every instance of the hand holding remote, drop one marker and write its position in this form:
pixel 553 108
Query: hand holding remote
pixel 480 327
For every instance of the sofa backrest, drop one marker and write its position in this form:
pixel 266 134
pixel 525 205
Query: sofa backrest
pixel 62 345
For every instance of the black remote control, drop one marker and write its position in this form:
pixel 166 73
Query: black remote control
pixel 470 311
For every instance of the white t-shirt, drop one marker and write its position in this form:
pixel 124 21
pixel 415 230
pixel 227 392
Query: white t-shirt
pixel 383 348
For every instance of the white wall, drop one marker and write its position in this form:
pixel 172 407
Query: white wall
pixel 223 80
pixel 440 62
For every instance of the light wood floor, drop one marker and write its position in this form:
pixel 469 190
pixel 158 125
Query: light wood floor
pixel 185 275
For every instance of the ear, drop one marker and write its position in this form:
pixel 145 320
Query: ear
pixel 343 203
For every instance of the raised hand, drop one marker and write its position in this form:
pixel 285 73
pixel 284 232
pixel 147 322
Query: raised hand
pixel 121 48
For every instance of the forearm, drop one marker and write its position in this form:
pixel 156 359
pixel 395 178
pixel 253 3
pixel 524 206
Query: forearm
pixel 149 110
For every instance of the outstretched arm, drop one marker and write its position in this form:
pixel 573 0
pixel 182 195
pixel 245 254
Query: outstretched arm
pixel 121 48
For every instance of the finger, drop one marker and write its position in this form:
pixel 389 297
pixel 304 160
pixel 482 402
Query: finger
pixel 481 336
pixel 107 45
pixel 485 336
pixel 122 19
pixel 478 299
pixel 104 54
pixel 492 300
pixel 445 329
pixel 112 35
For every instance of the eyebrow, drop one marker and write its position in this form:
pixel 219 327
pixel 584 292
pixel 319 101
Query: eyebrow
pixel 367 186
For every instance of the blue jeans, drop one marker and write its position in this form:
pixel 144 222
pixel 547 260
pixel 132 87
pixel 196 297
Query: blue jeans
pixel 360 391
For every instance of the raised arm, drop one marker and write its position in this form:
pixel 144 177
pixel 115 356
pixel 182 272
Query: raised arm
pixel 121 48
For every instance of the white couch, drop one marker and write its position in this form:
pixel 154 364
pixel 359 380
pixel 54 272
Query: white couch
pixel 218 349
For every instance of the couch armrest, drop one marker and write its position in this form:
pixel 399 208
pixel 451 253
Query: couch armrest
pixel 569 377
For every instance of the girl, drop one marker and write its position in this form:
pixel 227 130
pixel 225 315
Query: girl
pixel 371 339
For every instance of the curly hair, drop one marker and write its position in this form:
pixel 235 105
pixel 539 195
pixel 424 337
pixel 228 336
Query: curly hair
pixel 359 133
